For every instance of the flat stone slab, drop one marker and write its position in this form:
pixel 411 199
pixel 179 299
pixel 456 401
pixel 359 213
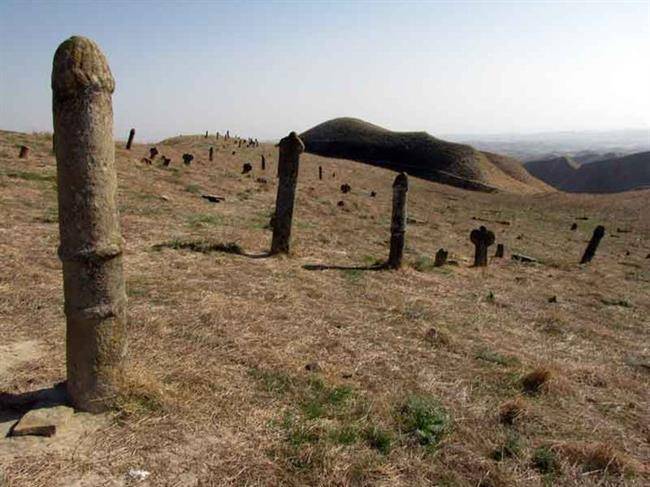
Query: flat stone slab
pixel 43 421
pixel 524 258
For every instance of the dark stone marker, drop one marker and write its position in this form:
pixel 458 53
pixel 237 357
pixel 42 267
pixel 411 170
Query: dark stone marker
pixel 187 159
pixel 206 134
pixel 482 238
pixel 345 188
pixel 24 152
pixel 500 251
pixel 153 152
pixel 398 221
pixel 263 163
pixel 441 258
pixel 247 168
pixel 590 251
pixel 91 242
pixel 166 161
pixel 340 203
pixel 227 137
pixel 290 149
pixel 574 227
pixel 130 141
pixel 211 154
pixel 373 194
pixel 320 173
pixel 217 135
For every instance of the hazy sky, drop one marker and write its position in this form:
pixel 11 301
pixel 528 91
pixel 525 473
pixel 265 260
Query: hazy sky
pixel 262 69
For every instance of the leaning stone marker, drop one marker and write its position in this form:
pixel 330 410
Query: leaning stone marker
pixel 24 152
pixel 130 141
pixel 91 243
pixel 590 251
pixel 398 221
pixel 482 238
pixel 290 149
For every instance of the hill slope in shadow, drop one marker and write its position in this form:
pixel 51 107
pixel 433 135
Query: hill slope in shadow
pixel 421 155
pixel 609 176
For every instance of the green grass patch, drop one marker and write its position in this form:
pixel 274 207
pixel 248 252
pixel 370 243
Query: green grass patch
pixel 193 188
pixel 424 420
pixel 204 219
pixel 31 176
pixel 380 439
pixel 352 276
pixel 495 357
pixel 545 460
pixel 424 264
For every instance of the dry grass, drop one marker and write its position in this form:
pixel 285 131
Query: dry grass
pixel 218 392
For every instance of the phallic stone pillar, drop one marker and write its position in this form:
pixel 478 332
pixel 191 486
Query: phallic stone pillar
pixel 500 251
pixel 24 152
pixel 130 141
pixel 263 163
pixel 590 251
pixel 482 238
pixel 441 258
pixel 91 243
pixel 320 173
pixel 290 149
pixel 398 221
pixel 153 152
pixel 211 154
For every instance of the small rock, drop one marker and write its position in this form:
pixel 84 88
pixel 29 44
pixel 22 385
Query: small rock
pixel 347 375
pixel 261 180
pixel 137 474
pixel 340 203
pixel 523 258
pixel 373 194
pixel 247 168
pixel 164 197
pixel 552 299
pixel 313 367
pixel 574 227
pixel 345 188
pixel 43 421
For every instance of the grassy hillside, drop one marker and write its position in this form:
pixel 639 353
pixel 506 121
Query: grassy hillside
pixel 260 371
pixel 421 155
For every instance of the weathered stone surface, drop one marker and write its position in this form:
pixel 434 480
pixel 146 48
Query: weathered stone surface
pixel 500 251
pixel 398 221
pixel 441 258
pixel 91 241
pixel 289 158
pixel 523 258
pixel 482 238
pixel 246 168
pixel 590 251
pixel 43 421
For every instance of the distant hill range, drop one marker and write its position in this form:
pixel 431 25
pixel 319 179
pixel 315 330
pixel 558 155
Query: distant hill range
pixel 603 176
pixel 421 155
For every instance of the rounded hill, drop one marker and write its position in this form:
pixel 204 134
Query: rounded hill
pixel 421 155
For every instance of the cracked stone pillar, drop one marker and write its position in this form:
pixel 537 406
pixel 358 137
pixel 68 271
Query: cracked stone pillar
pixel 482 238
pixel 590 251
pixel 398 221
pixel 91 243
pixel 290 149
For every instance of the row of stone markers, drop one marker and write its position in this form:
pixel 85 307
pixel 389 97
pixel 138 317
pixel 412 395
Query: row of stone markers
pixel 91 244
